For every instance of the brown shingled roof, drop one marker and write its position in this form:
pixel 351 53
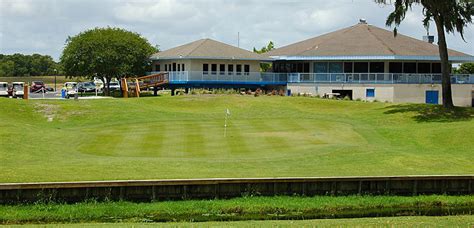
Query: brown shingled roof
pixel 361 40
pixel 207 48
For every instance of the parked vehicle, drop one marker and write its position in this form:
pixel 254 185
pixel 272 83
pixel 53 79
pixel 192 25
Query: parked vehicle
pixel 17 89
pixel 70 89
pixel 37 86
pixel 114 85
pixel 4 89
pixel 86 87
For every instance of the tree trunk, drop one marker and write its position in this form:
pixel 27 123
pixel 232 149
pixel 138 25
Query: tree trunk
pixel 445 67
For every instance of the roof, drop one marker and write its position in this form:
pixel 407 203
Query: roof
pixel 207 49
pixel 363 41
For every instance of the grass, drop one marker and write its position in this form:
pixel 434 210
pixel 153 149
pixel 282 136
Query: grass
pixel 248 208
pixel 182 137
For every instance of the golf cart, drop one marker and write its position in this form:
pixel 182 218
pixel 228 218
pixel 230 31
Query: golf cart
pixel 17 91
pixel 69 90
pixel 4 89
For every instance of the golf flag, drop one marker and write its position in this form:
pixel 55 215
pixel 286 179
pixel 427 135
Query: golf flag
pixel 227 112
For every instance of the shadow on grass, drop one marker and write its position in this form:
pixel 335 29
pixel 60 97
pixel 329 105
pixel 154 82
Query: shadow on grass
pixel 432 113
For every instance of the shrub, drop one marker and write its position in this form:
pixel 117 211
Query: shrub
pixel 347 98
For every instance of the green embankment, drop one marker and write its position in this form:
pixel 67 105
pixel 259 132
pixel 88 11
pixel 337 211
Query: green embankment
pixel 183 137
pixel 248 208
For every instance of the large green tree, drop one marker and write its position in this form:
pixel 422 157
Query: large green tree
pixel 28 65
pixel 465 68
pixel 106 53
pixel 270 46
pixel 449 16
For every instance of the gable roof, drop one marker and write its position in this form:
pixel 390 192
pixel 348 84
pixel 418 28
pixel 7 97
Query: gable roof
pixel 207 49
pixel 363 41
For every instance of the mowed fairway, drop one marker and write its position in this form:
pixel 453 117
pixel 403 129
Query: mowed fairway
pixel 183 137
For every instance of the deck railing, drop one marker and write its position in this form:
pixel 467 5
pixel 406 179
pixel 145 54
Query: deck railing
pixel 281 78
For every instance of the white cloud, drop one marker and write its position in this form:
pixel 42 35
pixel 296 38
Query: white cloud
pixel 42 26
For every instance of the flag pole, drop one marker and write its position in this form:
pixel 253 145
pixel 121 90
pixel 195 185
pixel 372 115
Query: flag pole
pixel 227 113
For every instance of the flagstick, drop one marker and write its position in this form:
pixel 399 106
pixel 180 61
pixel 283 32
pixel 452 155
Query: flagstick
pixel 225 125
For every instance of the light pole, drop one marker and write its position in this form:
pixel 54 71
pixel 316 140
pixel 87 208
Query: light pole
pixel 55 74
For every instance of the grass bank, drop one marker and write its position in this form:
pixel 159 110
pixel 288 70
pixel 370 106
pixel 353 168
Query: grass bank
pixel 183 137
pixel 249 208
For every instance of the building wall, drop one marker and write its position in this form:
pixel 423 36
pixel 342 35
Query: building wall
pixel 397 93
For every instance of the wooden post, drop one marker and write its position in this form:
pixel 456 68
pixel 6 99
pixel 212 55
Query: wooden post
pixel 26 90
pixel 137 88
pixel 124 88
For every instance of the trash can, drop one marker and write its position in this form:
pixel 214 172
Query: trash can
pixel 288 92
pixel 63 93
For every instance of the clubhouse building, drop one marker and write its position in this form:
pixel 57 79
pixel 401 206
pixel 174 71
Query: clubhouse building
pixel 361 62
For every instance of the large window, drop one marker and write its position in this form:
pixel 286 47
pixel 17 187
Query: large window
pixel 246 69
pixel 205 68
pixel 409 68
pixel 377 67
pixel 239 69
pixel 157 67
pixel 335 67
pixel 348 67
pixel 230 69
pixel 166 67
pixel 222 69
pixel 395 68
pixel 305 67
pixel 179 67
pixel 182 67
pixel 436 68
pixel 321 67
pixel 361 67
pixel 424 68
pixel 174 66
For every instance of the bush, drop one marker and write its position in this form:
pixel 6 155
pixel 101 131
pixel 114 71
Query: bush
pixel 347 98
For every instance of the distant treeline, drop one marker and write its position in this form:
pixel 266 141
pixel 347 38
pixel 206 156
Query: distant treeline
pixel 28 65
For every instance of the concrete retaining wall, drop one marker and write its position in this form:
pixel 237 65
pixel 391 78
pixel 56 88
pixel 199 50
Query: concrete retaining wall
pixel 142 191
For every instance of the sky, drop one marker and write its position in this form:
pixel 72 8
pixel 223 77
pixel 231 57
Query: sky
pixel 42 26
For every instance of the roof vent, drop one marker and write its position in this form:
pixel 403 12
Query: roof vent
pixel 362 21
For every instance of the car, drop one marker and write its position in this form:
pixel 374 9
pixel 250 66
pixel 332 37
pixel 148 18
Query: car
pixel 37 86
pixel 86 87
pixel 114 85
pixel 70 89
pixel 17 89
pixel 4 89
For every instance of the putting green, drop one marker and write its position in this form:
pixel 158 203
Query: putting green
pixel 183 137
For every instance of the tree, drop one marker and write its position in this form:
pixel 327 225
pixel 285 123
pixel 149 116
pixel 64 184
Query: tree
pixel 265 66
pixel 449 16
pixel 106 53
pixel 465 68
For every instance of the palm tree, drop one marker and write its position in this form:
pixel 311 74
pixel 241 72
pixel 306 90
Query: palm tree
pixel 449 16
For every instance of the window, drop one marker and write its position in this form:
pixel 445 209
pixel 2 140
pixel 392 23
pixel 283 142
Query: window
pixel 182 67
pixel 436 68
pixel 409 67
pixel 179 67
pixel 205 68
pixel 213 68
pixel 348 68
pixel 230 69
pixel 395 67
pixel 335 67
pixel 377 67
pixel 239 69
pixel 424 68
pixel 361 67
pixel 306 67
pixel 320 67
pixel 166 67
pixel 370 93
pixel 222 69
pixel 174 66
pixel 300 68
pixel 246 69
pixel 157 67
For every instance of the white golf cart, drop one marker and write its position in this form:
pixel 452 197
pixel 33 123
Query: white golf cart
pixel 18 89
pixel 70 89
pixel 4 89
